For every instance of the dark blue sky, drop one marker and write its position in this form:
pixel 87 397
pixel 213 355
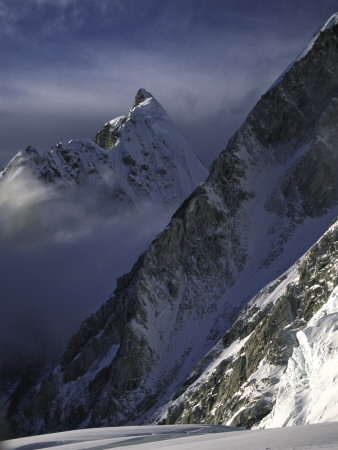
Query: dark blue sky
pixel 69 66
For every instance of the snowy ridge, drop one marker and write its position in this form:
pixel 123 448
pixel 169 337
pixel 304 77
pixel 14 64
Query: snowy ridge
pixel 74 162
pixel 330 23
pixel 63 191
pixel 208 367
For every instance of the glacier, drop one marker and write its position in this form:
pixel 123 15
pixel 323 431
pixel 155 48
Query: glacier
pixel 308 390
pixel 275 366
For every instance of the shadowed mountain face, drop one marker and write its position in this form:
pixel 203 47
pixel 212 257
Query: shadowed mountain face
pixel 270 195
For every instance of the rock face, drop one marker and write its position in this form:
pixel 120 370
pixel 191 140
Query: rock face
pixel 269 196
pixel 239 381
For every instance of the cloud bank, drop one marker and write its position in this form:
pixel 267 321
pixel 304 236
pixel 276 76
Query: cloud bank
pixel 61 252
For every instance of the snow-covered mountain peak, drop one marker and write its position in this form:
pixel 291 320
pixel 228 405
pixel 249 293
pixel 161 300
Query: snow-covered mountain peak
pixel 79 144
pixel 142 95
pixel 147 159
pixel 144 108
pixel 150 155
pixel 145 104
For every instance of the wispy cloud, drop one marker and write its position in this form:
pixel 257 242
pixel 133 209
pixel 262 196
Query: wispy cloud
pixel 8 19
pixel 61 252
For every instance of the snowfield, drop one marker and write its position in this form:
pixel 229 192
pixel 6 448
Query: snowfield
pixel 198 437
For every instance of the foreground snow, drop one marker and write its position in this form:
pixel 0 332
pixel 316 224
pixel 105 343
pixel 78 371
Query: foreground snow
pixel 319 436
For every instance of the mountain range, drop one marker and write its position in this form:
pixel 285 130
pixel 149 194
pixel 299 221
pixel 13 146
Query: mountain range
pixel 229 316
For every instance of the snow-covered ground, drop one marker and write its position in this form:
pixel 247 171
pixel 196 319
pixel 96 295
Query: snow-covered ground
pixel 198 437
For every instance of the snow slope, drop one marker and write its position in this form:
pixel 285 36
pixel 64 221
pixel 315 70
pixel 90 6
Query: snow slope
pixel 196 437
